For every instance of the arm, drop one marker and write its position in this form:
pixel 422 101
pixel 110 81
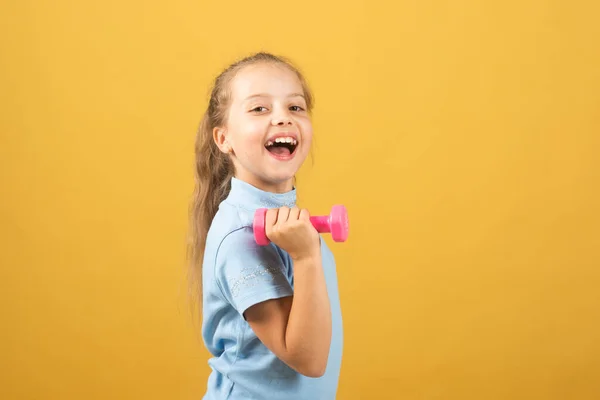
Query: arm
pixel 294 323
pixel 298 328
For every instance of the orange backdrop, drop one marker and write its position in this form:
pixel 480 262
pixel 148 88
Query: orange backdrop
pixel 464 138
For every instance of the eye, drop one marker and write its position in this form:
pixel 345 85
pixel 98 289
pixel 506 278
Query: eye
pixel 259 109
pixel 296 108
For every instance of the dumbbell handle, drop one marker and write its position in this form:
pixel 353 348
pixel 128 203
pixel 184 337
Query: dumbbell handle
pixel 321 223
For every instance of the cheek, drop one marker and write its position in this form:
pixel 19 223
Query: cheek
pixel 307 130
pixel 248 132
pixel 254 133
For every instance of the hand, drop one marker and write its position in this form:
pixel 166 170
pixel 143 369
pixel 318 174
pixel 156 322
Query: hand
pixel 291 229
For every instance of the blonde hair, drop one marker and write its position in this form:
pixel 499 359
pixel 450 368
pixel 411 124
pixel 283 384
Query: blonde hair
pixel 214 169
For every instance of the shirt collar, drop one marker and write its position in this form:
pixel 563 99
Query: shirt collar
pixel 251 197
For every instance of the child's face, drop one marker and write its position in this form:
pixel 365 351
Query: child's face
pixel 267 102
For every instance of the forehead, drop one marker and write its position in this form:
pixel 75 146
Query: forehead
pixel 269 79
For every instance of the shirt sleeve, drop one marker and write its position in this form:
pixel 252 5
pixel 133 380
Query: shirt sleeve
pixel 249 274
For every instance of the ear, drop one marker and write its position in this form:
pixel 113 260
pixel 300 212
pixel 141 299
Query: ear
pixel 220 138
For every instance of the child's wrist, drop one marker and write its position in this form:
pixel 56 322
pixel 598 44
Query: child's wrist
pixel 313 257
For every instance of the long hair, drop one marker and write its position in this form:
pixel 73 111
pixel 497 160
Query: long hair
pixel 214 169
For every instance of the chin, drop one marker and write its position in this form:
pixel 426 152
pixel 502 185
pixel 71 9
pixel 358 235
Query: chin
pixel 280 173
pixel 281 179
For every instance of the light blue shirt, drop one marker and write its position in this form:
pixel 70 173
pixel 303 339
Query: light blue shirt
pixel 237 273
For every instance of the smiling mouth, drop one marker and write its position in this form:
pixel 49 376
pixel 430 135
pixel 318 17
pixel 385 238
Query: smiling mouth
pixel 282 147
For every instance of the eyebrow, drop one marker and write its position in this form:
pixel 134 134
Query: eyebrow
pixel 266 95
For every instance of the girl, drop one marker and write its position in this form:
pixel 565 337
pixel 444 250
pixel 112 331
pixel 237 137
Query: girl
pixel 271 314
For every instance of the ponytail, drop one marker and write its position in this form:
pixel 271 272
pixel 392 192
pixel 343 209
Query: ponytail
pixel 213 179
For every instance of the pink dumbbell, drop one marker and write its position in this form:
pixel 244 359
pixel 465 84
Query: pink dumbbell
pixel 335 223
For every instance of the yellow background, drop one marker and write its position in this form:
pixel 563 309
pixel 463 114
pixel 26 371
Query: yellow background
pixel 464 138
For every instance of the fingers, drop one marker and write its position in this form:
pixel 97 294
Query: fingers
pixel 291 230
pixel 270 220
pixel 283 215
pixel 304 214
pixel 277 217
pixel 294 214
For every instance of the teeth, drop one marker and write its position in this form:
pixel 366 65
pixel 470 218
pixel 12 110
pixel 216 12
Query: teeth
pixel 283 140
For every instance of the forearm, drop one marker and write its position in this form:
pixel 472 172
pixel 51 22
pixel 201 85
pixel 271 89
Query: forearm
pixel 308 333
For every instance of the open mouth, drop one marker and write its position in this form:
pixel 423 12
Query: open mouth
pixel 282 146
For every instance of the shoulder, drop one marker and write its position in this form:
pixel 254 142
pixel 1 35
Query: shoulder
pixel 231 239
pixel 228 220
pixel 231 229
pixel 245 272
pixel 239 247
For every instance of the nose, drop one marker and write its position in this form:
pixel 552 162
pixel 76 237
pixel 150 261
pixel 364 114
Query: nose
pixel 281 119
